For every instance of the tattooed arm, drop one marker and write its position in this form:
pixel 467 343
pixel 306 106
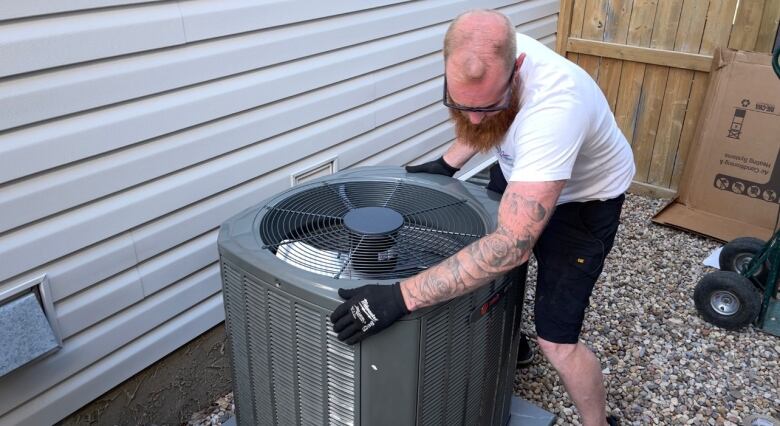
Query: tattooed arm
pixel 524 211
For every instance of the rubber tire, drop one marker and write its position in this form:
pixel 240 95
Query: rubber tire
pixel 739 287
pixel 737 250
pixel 757 419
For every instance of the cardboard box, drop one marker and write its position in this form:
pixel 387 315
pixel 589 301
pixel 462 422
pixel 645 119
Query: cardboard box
pixel 731 184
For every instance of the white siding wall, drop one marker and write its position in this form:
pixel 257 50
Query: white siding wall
pixel 130 129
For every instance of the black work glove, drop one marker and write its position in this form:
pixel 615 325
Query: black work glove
pixel 367 311
pixel 436 167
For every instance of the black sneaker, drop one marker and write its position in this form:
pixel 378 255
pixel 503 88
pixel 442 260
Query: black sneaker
pixel 612 421
pixel 525 355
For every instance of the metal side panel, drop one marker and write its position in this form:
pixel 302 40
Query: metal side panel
pixel 433 390
pixel 513 306
pixel 460 362
pixel 506 352
pixel 289 367
pixel 476 376
pixel 259 399
pixel 342 395
pixel 454 369
pixel 235 320
pixel 310 336
pixel 281 337
pixel 389 375
pixel 462 359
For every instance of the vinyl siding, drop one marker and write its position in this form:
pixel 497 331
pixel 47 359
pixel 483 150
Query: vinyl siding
pixel 131 129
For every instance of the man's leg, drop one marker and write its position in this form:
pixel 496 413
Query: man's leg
pixel 580 372
pixel 570 254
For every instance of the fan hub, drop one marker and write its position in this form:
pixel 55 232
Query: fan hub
pixel 373 221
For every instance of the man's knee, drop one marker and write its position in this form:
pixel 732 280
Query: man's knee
pixel 556 352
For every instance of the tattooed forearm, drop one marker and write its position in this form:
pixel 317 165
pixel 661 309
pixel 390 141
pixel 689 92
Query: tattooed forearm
pixel 438 286
pixel 521 221
pixel 480 262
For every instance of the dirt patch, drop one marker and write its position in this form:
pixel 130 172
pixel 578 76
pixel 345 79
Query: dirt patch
pixel 169 391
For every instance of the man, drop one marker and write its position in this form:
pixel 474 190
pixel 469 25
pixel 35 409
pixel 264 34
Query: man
pixel 567 166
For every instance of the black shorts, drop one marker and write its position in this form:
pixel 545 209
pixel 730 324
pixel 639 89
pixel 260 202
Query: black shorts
pixel 570 255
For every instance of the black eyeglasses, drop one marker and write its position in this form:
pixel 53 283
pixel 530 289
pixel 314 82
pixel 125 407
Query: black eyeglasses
pixel 500 107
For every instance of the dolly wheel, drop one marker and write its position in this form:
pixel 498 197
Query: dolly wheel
pixel 737 254
pixel 760 420
pixel 727 299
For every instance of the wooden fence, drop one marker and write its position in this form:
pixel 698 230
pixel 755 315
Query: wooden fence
pixel 652 58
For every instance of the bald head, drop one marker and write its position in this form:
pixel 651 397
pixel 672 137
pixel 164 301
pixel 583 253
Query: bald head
pixel 477 40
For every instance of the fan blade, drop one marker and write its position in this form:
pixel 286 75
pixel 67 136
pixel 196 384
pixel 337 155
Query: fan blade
pixel 342 192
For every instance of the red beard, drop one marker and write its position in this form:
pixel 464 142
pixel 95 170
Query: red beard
pixel 490 131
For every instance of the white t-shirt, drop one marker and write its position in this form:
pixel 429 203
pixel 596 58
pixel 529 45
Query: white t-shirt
pixel 564 130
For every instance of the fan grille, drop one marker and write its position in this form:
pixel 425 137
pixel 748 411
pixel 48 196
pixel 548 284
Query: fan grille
pixel 308 229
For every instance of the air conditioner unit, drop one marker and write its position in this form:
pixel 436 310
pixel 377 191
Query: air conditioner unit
pixel 282 263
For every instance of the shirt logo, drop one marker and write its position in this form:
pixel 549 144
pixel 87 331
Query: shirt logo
pixel 503 155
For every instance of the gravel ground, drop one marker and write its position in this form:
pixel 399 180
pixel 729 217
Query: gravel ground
pixel 663 365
